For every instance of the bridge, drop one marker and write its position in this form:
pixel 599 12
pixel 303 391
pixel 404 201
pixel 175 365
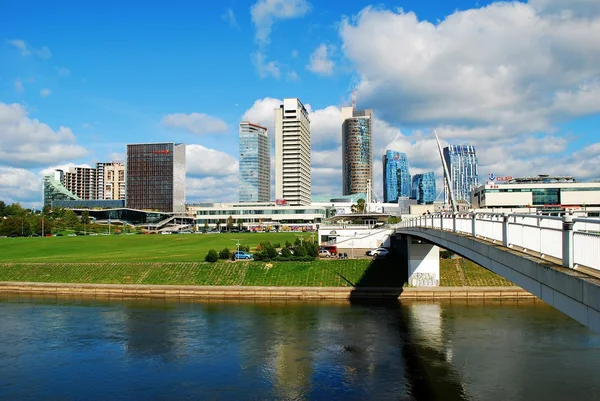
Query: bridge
pixel 555 258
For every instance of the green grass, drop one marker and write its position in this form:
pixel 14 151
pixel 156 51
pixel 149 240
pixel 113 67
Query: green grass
pixel 130 248
pixel 456 273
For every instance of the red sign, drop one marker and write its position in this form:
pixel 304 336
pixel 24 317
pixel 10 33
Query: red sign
pixel 507 178
pixel 161 152
pixel 280 202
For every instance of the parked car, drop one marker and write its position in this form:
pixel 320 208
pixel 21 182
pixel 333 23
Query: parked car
pixel 324 253
pixel 381 251
pixel 242 255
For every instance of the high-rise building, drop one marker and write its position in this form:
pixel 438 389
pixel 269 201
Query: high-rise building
pixel 110 180
pixel 156 177
pixel 292 153
pixel 255 163
pixel 396 176
pixel 54 189
pixel 357 150
pixel 423 188
pixel 461 161
pixel 81 181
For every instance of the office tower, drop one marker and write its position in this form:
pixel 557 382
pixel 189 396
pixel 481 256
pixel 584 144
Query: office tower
pixel 423 188
pixel 396 176
pixel 156 177
pixel 110 180
pixel 81 181
pixel 255 163
pixel 461 161
pixel 357 150
pixel 292 153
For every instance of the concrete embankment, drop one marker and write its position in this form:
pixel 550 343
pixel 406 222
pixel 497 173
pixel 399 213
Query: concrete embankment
pixel 244 292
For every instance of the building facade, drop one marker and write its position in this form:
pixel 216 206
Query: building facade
pixel 80 181
pixel 292 153
pixel 156 177
pixel 461 161
pixel 423 188
pixel 396 176
pixel 110 181
pixel 255 163
pixel 357 150
pixel 54 190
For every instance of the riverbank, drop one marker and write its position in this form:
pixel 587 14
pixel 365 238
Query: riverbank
pixel 263 292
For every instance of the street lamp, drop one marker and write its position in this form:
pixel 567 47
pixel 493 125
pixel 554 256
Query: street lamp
pixel 238 246
pixel 301 239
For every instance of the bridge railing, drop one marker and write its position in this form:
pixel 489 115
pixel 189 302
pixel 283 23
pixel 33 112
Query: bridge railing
pixel 575 241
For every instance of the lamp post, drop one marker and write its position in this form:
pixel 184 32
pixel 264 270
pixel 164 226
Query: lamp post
pixel 238 246
pixel 301 239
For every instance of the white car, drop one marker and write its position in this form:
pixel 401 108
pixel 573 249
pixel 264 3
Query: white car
pixel 378 252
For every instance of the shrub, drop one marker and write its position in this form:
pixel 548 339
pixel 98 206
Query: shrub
pixel 225 253
pixel 446 254
pixel 277 245
pixel 286 253
pixel 211 256
pixel 288 244
pixel 244 248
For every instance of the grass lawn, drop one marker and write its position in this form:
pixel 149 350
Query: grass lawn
pixel 131 248
pixel 456 273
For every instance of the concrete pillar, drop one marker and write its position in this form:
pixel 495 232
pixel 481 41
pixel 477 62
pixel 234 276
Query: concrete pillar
pixel 441 221
pixel 505 229
pixel 423 263
pixel 454 222
pixel 474 225
pixel 567 241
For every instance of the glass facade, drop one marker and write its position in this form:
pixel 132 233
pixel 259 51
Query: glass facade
pixel 54 190
pixel 156 177
pixel 396 176
pixel 461 161
pixel 357 150
pixel 255 163
pixel 423 188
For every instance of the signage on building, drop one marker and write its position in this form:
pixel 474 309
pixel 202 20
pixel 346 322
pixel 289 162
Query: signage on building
pixel 280 202
pixel 161 152
pixel 498 179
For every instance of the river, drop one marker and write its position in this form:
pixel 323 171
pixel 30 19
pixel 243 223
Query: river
pixel 75 348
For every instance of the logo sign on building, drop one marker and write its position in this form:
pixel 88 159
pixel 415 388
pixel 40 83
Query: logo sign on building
pixel 161 152
pixel 498 179
pixel 280 202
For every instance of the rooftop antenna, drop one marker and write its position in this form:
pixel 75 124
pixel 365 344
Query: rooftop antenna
pixel 446 174
pixel 353 99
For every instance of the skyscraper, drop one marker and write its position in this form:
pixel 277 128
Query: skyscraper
pixel 110 179
pixel 357 150
pixel 156 177
pixel 292 153
pixel 396 176
pixel 255 163
pixel 461 161
pixel 81 181
pixel 423 188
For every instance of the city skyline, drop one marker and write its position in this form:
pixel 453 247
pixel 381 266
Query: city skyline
pixel 73 100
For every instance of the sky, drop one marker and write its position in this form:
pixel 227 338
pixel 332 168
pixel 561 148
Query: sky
pixel 80 80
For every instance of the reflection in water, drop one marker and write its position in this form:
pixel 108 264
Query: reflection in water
pixel 69 348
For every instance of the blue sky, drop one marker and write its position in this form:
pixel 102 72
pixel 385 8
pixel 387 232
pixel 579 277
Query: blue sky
pixel 521 81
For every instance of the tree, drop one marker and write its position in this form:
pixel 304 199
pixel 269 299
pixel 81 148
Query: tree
pixel 2 209
pixel 85 217
pixel 211 256
pixel 205 226
pixel 359 207
pixel 229 223
pixel 240 224
pixel 225 253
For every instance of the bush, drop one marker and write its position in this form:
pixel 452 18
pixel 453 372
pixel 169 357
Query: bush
pixel 286 253
pixel 211 256
pixel 288 244
pixel 225 254
pixel 244 248
pixel 277 245
pixel 446 254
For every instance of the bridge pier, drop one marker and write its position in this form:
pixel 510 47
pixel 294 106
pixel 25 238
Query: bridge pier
pixel 422 259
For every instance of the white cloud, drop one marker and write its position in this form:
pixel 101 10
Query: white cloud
pixel 26 142
pixel 202 162
pixel 319 62
pixel 63 72
pixel 229 17
pixel 20 185
pixel 505 65
pixel 265 69
pixel 265 13
pixel 19 86
pixel 567 8
pixel 263 112
pixel 45 92
pixel 292 76
pixel 27 50
pixel 64 167
pixel 195 123
pixel 212 189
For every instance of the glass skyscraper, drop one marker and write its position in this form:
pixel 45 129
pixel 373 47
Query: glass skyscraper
pixel 461 161
pixel 357 150
pixel 255 163
pixel 396 176
pixel 423 188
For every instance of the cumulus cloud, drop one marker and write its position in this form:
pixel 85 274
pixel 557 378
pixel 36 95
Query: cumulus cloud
pixel 212 189
pixel 265 13
pixel 195 123
pixel 265 68
pixel 202 162
pixel 319 62
pixel 505 65
pixel 27 50
pixel 26 142
pixel 20 185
